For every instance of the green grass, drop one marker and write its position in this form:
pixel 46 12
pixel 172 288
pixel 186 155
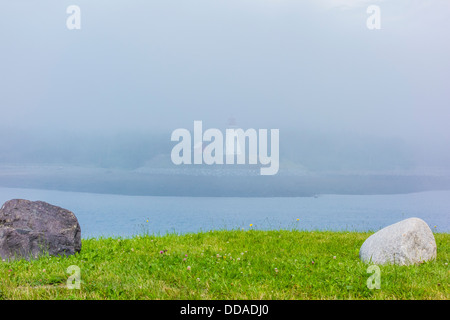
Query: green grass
pixel 226 265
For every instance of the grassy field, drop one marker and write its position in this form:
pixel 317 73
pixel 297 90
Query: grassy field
pixel 237 264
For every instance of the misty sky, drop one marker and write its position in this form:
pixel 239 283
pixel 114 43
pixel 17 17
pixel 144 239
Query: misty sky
pixel 160 65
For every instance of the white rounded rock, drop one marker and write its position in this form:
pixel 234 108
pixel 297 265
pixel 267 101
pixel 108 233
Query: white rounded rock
pixel 409 241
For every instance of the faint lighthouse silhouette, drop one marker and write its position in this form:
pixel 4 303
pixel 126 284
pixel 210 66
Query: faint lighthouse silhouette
pixel 232 147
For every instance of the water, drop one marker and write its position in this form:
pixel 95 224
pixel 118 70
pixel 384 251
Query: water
pixel 118 215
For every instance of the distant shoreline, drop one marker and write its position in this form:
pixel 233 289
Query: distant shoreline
pixel 218 184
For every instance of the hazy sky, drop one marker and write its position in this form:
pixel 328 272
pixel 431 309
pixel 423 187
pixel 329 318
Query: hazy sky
pixel 306 65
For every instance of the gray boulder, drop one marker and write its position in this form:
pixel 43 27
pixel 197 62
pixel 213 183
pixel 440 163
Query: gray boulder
pixel 406 242
pixel 29 229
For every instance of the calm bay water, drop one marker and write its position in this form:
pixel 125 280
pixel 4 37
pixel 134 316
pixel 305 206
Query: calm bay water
pixel 118 215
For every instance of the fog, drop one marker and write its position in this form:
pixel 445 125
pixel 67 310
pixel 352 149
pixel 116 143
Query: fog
pixel 345 98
